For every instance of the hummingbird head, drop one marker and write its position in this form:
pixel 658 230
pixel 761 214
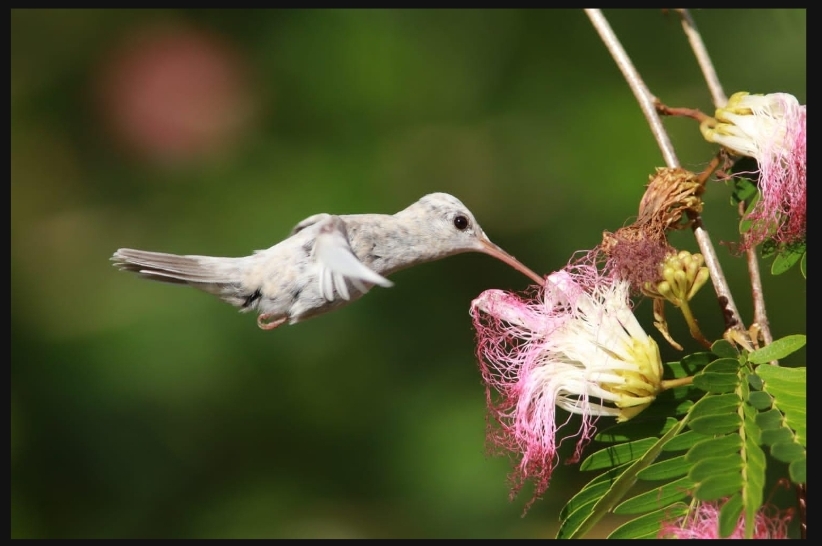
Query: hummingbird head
pixel 447 227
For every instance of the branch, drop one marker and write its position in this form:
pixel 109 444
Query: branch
pixel 702 57
pixel 761 326
pixel 647 103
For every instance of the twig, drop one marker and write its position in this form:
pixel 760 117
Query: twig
pixel 702 57
pixel 647 102
pixel 760 315
pixel 706 173
pixel 761 323
pixel 693 113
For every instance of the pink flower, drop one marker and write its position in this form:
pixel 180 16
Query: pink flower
pixel 578 347
pixel 771 129
pixel 703 522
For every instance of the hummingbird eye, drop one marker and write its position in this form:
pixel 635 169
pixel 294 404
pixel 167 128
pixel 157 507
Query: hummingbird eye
pixel 460 222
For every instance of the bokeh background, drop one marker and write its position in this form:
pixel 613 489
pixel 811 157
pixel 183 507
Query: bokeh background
pixel 147 410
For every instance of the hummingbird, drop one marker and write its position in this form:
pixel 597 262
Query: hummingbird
pixel 327 261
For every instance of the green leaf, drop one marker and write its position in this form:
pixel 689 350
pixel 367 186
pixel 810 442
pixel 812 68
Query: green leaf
pixel 755 382
pixel 710 467
pixel 745 223
pixel 744 190
pixel 689 365
pixel 751 202
pixel 788 377
pixel 787 258
pixel 672 468
pixel 787 452
pixel 755 465
pixel 637 428
pixel 769 248
pixel 716 382
pixel 760 400
pixel 580 514
pixel 787 386
pixel 724 349
pixel 752 430
pixel 649 525
pixel 789 403
pixel 802 265
pixel 777 436
pixel 729 515
pixel 656 498
pixel 721 375
pixel 716 404
pixel 621 485
pixel 719 486
pixel 769 420
pixel 581 506
pixel 618 454
pixel 797 471
pixel 710 447
pixel 716 424
pixel 594 489
pixel 682 441
pixel 722 366
pixel 780 348
pixel 754 468
pixel 587 495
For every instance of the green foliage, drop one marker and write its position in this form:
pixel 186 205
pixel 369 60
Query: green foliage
pixel 729 515
pixel 714 452
pixel 785 256
pixel 723 348
pixel 618 454
pixel 744 189
pixel 601 501
pixel 719 376
pixel 780 348
pixel 745 223
pixel 647 526
pixel 671 468
pixel 784 426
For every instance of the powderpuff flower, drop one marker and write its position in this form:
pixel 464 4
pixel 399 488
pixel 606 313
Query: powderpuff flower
pixel 577 346
pixel 703 523
pixel 770 129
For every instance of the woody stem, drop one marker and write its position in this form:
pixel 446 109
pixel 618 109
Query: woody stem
pixel 647 103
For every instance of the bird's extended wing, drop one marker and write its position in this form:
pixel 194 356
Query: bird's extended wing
pixel 338 264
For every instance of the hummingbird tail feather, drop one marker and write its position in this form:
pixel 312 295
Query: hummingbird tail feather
pixel 173 268
pixel 217 276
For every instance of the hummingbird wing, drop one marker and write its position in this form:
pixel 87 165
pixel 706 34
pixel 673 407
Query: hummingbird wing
pixel 310 221
pixel 337 263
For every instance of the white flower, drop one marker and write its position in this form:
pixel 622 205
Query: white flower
pixel 754 125
pixel 579 347
pixel 772 130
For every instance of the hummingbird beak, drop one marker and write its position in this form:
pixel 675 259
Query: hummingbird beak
pixel 487 247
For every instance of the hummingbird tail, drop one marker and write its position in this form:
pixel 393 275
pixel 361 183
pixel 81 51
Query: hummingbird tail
pixel 218 276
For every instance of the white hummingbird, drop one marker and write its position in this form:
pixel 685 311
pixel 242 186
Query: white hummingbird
pixel 328 261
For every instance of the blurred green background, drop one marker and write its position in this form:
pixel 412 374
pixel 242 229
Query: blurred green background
pixel 147 410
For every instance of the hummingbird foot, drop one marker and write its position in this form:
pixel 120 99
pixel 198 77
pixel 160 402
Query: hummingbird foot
pixel 265 323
